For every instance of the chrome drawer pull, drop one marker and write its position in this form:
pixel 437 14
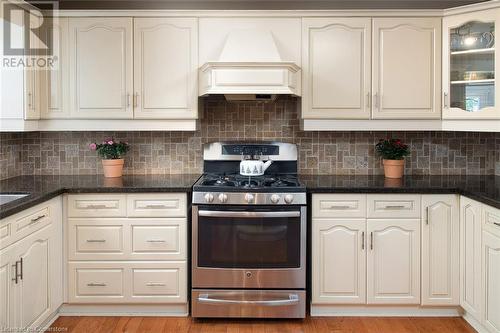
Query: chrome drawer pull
pixel 156 206
pixel 155 284
pixel 291 300
pixel 340 207
pixel 96 284
pixel 36 219
pixel 96 240
pixel 363 240
pixel 96 206
pixel 395 207
pixel 156 241
pixel 497 224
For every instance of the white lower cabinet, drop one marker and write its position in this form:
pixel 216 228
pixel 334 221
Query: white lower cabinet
pixel 135 252
pixel 470 257
pixel 491 281
pixel 393 261
pixel 339 261
pixel 440 250
pixel 31 271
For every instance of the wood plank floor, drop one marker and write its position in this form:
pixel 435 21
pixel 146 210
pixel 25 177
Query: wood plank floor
pixel 308 325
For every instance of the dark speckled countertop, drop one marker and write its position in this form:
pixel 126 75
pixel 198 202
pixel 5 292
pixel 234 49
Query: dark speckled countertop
pixel 485 189
pixel 42 188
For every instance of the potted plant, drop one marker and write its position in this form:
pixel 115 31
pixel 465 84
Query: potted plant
pixel 393 152
pixel 112 153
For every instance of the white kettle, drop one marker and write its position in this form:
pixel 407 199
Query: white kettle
pixel 254 167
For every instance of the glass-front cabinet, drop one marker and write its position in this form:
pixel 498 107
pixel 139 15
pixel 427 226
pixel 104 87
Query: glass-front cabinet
pixel 471 61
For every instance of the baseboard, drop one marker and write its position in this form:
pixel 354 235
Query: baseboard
pixel 49 322
pixel 149 310
pixel 382 311
pixel 474 323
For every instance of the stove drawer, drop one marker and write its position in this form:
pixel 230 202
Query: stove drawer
pixel 212 303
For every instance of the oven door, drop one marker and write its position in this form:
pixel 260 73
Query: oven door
pixel 249 247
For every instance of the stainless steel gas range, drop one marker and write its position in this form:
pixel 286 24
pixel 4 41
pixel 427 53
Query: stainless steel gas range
pixel 249 234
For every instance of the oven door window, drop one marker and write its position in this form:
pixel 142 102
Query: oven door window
pixel 258 241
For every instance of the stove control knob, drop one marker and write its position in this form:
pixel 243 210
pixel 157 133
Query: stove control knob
pixel 275 198
pixel 288 198
pixel 249 198
pixel 209 197
pixel 223 197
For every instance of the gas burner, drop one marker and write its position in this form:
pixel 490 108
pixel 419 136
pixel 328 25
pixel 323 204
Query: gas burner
pixel 280 182
pixel 249 183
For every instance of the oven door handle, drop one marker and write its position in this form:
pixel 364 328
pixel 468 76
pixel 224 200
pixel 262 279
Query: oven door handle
pixel 291 300
pixel 217 213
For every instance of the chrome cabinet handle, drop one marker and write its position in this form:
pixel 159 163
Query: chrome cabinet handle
pixel 36 219
pixel 156 241
pixel 16 273
pixel 340 207
pixel 22 268
pixel 497 224
pixel 95 206
pixel 156 206
pixel 136 99
pixel 155 284
pixel 96 284
pixel 371 240
pixel 96 240
pixel 291 300
pixel 445 100
pixel 30 100
pixel 427 215
pixel 394 207
pixel 214 213
pixel 363 240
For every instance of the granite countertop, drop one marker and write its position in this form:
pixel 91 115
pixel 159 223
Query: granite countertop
pixel 485 189
pixel 42 188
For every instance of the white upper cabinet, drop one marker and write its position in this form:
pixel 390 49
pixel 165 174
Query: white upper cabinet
pixel 440 250
pixel 406 68
pixel 336 62
pixel 54 92
pixel 470 64
pixel 470 256
pixel 165 68
pixel 393 261
pixel 100 68
pixel 339 261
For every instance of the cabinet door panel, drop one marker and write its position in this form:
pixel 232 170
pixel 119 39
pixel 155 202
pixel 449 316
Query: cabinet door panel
pixel 440 250
pixel 491 288
pixel 470 254
pixel 393 262
pixel 165 68
pixel 7 285
pixel 406 68
pixel 336 67
pixel 101 67
pixel 339 261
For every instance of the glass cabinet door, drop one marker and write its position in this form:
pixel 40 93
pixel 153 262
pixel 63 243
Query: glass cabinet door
pixel 469 83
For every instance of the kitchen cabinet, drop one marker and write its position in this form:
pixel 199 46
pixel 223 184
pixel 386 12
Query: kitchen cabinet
pixel 54 92
pixel 128 249
pixel 491 269
pixel 470 63
pixel 31 268
pixel 440 250
pixel 393 261
pixel 339 261
pixel 406 68
pixel 165 68
pixel 336 65
pixel 101 84
pixel 470 256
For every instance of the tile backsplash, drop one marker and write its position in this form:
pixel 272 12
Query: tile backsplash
pixel 154 152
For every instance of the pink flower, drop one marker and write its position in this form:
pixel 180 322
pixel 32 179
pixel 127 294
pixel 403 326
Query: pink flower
pixel 110 142
pixel 93 146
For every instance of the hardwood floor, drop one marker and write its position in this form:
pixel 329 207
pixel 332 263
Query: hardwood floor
pixel 309 325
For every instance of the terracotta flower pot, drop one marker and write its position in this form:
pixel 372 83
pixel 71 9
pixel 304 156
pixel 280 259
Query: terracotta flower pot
pixel 113 168
pixel 394 168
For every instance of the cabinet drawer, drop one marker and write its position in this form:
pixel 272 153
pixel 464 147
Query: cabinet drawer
pixel 127 282
pixel 157 205
pixel 156 282
pixel 393 205
pixel 165 239
pixel 99 282
pixel 338 205
pixel 99 238
pixel 491 219
pixel 97 205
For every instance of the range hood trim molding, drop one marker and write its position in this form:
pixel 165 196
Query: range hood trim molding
pixel 245 65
